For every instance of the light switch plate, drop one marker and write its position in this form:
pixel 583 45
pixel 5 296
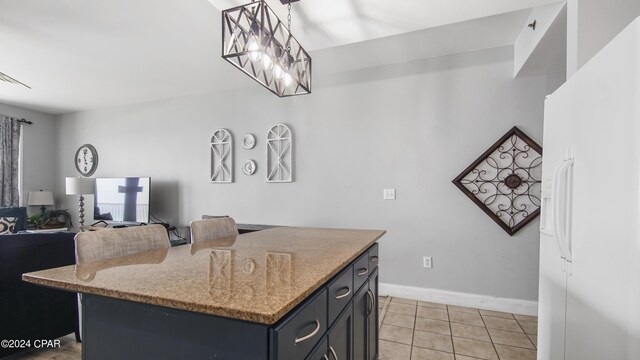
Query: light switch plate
pixel 389 194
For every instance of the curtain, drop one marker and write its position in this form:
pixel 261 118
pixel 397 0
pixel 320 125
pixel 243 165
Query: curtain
pixel 9 161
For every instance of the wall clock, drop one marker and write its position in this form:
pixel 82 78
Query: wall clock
pixel 248 141
pixel 86 160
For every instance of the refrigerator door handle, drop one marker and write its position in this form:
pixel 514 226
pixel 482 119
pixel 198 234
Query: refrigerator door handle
pixel 547 196
pixel 560 203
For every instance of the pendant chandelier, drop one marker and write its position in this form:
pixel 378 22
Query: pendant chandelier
pixel 255 41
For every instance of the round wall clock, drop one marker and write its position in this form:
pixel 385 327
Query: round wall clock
pixel 249 167
pixel 86 160
pixel 248 141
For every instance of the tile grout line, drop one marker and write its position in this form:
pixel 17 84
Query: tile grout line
pixel 525 334
pixel 453 348
pixel 413 332
pixel 490 337
pixel 383 313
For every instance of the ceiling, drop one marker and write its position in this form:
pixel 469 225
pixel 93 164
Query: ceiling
pixel 87 54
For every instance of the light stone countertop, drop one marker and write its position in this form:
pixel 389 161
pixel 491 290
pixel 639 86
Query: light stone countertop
pixel 257 277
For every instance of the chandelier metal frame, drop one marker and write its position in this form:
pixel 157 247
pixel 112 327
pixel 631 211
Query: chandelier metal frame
pixel 258 43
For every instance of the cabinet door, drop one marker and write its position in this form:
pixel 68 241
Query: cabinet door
pixel 372 315
pixel 320 352
pixel 341 336
pixel 360 325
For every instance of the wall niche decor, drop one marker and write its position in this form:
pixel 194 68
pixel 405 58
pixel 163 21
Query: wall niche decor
pixel 279 154
pixel 221 157
pixel 505 181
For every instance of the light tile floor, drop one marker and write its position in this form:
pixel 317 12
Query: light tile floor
pixel 418 330
pixel 412 330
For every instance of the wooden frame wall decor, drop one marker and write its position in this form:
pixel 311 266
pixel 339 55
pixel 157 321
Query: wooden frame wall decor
pixel 221 157
pixel 505 181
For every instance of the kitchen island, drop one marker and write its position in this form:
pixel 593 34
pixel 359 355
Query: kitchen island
pixel 282 293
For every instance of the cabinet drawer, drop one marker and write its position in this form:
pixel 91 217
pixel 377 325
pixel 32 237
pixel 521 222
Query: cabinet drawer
pixel 360 271
pixel 373 257
pixel 300 331
pixel 340 292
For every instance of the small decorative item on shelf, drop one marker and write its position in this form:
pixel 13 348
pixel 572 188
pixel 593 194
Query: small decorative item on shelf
pixel 221 157
pixel 505 181
pixel 52 219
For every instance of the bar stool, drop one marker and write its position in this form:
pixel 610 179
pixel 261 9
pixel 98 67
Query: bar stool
pixel 213 229
pixel 108 244
pixel 113 243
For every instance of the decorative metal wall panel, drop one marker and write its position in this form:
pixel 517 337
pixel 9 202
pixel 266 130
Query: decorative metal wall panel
pixel 279 154
pixel 255 41
pixel 505 181
pixel 221 157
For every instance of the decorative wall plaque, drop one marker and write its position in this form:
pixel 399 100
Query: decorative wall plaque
pixel 248 141
pixel 505 181
pixel 249 167
pixel 279 154
pixel 221 157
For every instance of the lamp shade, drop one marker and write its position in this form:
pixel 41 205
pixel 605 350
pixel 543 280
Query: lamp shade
pixel 40 198
pixel 79 186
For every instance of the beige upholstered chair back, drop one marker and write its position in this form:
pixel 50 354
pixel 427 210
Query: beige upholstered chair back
pixel 114 243
pixel 213 229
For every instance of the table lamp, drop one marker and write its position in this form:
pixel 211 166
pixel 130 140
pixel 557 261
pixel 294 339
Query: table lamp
pixel 80 186
pixel 42 198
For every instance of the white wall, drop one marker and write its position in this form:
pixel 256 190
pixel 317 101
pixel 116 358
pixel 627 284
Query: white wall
pixel 529 39
pixel 593 24
pixel 38 152
pixel 411 126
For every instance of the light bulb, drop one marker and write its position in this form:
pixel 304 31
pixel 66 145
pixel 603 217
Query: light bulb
pixel 278 73
pixel 287 80
pixel 254 49
pixel 267 63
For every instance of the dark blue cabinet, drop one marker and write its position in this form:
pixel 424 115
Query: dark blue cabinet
pixel 360 323
pixel 320 352
pixel 341 336
pixel 372 316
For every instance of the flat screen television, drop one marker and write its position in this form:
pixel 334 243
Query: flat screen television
pixel 124 199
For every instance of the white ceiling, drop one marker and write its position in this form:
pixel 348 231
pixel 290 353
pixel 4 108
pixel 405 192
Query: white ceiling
pixel 88 54
pixel 321 24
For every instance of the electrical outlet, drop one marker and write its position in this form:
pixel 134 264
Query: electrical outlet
pixel 426 262
pixel 389 194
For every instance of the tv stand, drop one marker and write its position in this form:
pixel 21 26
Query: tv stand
pixel 93 226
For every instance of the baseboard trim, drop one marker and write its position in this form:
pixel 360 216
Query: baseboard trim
pixel 515 306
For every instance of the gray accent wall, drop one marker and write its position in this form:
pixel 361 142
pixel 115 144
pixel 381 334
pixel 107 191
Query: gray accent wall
pixel 38 152
pixel 411 126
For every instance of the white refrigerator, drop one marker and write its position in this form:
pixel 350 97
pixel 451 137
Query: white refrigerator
pixel 589 299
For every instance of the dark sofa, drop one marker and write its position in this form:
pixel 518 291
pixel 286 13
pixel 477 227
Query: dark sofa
pixel 29 311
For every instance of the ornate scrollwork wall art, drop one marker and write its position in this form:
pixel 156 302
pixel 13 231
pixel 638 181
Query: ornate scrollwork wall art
pixel 505 181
